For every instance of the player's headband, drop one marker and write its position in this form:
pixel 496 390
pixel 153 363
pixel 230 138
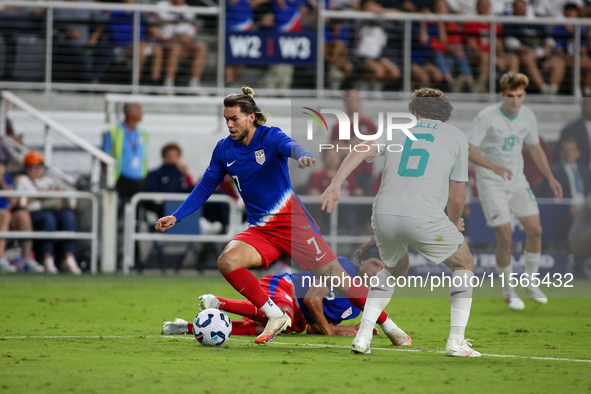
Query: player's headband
pixel 372 253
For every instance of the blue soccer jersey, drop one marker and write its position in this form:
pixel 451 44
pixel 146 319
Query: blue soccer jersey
pixel 260 172
pixel 336 308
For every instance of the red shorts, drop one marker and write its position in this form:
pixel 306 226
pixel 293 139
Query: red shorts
pixel 296 235
pixel 280 289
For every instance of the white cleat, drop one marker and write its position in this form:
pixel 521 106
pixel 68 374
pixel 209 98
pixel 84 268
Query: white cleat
pixel 31 265
pixel 360 345
pixel 71 265
pixel 452 349
pixel 207 301
pixel 50 267
pixel 536 294
pixel 399 337
pixel 515 303
pixel 274 326
pixel 176 327
pixel 6 267
pixel 512 300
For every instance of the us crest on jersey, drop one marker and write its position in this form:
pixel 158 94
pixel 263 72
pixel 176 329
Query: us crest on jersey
pixel 260 156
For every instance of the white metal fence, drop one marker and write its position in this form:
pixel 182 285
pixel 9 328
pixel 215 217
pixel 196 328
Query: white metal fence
pixel 92 236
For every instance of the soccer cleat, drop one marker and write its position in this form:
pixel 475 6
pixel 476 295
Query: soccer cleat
pixel 536 294
pixel 176 327
pixel 452 349
pixel 274 326
pixel 50 265
pixel 515 303
pixel 398 337
pixel 6 267
pixel 512 300
pixel 71 265
pixel 33 266
pixel 360 345
pixel 207 301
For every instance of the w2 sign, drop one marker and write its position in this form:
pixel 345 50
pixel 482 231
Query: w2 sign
pixel 270 47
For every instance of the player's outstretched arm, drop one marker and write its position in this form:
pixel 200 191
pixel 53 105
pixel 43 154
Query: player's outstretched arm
pixel 332 194
pixel 165 223
pixel 476 158
pixel 539 156
pixel 313 302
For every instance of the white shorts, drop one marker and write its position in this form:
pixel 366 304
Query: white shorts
pixel 434 240
pixel 497 205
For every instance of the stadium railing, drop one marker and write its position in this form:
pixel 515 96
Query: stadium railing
pixel 406 19
pixel 554 216
pixel 92 236
pixel 131 236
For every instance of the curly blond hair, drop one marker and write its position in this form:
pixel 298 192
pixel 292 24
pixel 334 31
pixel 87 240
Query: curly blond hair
pixel 430 103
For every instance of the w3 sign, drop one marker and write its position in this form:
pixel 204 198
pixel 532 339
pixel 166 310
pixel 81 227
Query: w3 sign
pixel 261 47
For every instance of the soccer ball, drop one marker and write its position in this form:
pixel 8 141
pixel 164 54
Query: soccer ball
pixel 212 327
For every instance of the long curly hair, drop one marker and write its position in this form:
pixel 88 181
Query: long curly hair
pixel 363 249
pixel 247 105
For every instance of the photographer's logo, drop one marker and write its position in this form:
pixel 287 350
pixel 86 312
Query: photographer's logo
pixel 345 124
pixel 344 128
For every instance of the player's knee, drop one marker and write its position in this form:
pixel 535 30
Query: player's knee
pixel 535 232
pixel 228 262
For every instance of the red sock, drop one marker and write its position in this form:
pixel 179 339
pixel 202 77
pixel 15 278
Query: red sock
pixel 248 285
pixel 190 328
pixel 357 297
pixel 242 308
pixel 241 327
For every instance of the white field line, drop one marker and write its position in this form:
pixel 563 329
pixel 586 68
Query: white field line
pixel 283 343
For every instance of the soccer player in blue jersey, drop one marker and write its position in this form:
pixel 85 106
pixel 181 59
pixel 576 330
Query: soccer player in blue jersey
pixel 256 157
pixel 315 308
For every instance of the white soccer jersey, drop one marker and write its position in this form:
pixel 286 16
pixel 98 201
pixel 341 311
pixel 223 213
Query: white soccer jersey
pixel 500 140
pixel 415 182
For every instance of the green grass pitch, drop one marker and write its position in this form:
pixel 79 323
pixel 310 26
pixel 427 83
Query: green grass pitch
pixel 102 335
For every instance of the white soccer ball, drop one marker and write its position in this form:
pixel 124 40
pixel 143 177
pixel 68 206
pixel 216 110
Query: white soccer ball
pixel 212 327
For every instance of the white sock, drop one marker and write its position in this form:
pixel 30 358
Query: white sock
pixel 460 298
pixel 388 325
pixel 507 290
pixel 378 298
pixel 532 263
pixel 271 309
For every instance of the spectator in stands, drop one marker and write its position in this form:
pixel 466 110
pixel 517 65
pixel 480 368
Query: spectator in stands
pixel 48 214
pixel 81 51
pixel 555 8
pixel 321 179
pixel 121 24
pixel 128 144
pixel 11 216
pixel 371 41
pixel 476 36
pixel 336 53
pixel 574 177
pixel 6 157
pixel 239 18
pixel 579 130
pixel 564 39
pixel 452 55
pixel 530 43
pixel 424 50
pixel 364 172
pixel 287 18
pixel 579 239
pixel 176 31
pixel 173 176
pixel 465 7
